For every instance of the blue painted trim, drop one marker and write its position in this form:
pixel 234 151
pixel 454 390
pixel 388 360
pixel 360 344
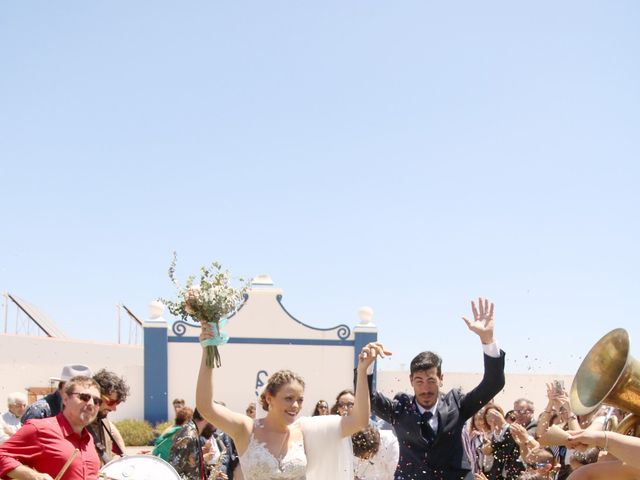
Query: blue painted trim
pixel 343 331
pixel 156 377
pixel 271 341
pixel 179 327
pixel 361 339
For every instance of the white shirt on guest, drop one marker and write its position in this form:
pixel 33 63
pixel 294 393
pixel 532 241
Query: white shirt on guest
pixel 9 424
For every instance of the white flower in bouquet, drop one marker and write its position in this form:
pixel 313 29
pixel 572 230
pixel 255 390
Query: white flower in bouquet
pixel 209 301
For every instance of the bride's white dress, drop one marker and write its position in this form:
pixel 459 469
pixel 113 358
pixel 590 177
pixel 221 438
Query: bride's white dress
pixel 322 455
pixel 258 463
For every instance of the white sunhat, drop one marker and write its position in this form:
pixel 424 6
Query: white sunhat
pixel 70 371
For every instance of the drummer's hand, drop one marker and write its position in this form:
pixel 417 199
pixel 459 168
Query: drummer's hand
pixel 22 471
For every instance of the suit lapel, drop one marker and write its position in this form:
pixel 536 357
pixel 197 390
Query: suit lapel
pixel 443 416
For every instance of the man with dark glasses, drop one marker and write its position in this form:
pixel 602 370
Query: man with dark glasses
pixel 51 405
pixel 44 449
pixel 114 390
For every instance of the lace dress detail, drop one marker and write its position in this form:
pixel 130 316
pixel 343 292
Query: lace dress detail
pixel 258 463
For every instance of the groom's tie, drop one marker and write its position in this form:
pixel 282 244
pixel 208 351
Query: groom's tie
pixel 427 431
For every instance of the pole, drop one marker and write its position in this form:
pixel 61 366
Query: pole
pixel 119 321
pixel 6 312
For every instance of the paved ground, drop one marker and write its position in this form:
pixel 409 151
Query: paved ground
pixel 137 450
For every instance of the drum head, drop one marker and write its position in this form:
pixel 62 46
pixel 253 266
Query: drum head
pixel 138 467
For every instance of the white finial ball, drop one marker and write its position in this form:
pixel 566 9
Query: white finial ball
pixel 156 309
pixel 365 314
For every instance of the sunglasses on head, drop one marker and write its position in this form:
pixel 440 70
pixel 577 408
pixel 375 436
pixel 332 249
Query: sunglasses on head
pixel 110 402
pixel 85 397
pixel 539 464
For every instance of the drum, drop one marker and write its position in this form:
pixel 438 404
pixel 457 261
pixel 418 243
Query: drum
pixel 138 467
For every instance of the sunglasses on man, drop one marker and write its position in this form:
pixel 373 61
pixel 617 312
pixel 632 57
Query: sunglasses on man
pixel 85 397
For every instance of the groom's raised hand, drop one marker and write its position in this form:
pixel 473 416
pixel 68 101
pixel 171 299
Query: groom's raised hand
pixel 482 323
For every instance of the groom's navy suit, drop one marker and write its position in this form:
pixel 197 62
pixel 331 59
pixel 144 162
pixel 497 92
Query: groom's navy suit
pixel 444 457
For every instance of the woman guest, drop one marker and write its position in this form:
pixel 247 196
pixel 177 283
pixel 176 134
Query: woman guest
pixel 322 408
pixel 344 403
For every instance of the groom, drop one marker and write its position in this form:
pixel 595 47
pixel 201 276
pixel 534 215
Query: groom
pixel 429 423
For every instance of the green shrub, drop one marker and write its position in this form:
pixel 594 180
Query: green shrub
pixel 135 433
pixel 161 427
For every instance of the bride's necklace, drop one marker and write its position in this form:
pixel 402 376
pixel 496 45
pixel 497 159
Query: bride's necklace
pixel 280 457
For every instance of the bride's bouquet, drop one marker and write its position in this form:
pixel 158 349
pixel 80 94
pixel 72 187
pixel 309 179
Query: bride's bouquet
pixel 211 300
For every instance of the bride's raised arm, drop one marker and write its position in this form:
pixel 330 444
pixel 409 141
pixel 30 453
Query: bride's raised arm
pixel 361 412
pixel 237 425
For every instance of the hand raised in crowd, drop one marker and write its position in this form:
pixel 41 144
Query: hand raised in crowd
pixel 482 324
pixel 551 395
pixel 370 352
pixel 558 400
pixel 519 433
pixel 494 417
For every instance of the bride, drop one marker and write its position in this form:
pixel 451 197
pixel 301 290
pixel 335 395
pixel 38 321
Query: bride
pixel 280 447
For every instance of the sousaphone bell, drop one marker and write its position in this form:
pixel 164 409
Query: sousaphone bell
pixel 609 375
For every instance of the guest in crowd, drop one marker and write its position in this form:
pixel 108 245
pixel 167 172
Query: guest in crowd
pixel 345 400
pixel 476 439
pixel 165 440
pixel 524 410
pixel 376 454
pixel 186 453
pixel 178 403
pixel 504 448
pixel 10 420
pixel 41 449
pixel 543 462
pixel 51 405
pixel 321 408
pixel 113 391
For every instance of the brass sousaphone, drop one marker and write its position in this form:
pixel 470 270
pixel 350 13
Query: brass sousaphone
pixel 609 375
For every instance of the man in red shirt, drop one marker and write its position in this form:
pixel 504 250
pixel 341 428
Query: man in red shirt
pixel 41 448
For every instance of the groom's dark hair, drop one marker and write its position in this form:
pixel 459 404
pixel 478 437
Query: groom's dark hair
pixel 426 361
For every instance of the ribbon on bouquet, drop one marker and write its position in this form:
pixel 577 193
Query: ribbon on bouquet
pixel 219 337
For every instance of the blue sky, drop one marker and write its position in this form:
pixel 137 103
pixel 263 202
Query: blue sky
pixel 406 156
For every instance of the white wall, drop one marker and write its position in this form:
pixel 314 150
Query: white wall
pixel 532 387
pixel 31 362
pixel 325 369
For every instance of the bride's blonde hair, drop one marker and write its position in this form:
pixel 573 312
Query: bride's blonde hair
pixel 276 382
